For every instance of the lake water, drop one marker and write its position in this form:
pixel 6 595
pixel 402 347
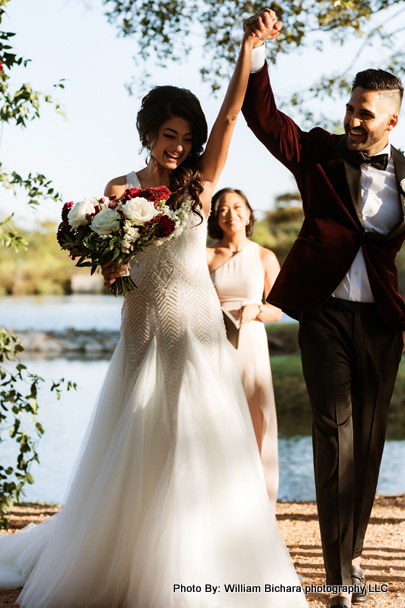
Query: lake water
pixel 65 421
pixel 56 313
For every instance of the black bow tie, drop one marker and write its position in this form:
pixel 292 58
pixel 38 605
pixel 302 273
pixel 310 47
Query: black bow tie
pixel 380 161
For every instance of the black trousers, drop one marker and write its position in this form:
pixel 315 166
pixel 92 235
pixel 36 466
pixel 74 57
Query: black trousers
pixel 350 361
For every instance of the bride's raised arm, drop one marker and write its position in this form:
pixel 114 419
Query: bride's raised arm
pixel 216 151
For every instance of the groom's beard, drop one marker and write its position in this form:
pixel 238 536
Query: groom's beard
pixel 361 140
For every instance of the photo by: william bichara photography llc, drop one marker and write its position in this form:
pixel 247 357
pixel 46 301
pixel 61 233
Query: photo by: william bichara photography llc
pixel 208 588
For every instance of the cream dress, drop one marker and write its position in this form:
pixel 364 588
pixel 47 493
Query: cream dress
pixel 240 281
pixel 167 501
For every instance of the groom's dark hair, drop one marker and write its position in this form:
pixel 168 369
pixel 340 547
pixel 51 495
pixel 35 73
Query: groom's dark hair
pixel 379 80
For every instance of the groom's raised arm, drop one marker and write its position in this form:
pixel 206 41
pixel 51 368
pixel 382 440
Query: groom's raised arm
pixel 277 131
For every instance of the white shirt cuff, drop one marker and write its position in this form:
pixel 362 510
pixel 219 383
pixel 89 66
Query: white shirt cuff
pixel 258 58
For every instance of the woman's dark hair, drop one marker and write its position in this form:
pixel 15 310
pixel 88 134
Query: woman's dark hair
pixel 158 106
pixel 214 230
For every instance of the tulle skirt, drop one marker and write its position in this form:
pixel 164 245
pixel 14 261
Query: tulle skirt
pixel 155 518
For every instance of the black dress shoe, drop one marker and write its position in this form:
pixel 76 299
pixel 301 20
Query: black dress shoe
pixel 338 602
pixel 358 579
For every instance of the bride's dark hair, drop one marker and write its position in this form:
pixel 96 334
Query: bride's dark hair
pixel 158 106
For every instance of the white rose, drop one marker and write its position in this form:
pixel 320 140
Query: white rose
pixel 77 215
pixel 402 184
pixel 132 234
pixel 126 246
pixel 106 222
pixel 139 210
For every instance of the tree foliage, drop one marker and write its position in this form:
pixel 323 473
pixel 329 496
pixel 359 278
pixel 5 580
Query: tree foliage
pixel 166 30
pixel 19 406
pixel 18 387
pixel 279 229
pixel 42 268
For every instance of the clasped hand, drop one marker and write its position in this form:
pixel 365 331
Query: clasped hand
pixel 263 25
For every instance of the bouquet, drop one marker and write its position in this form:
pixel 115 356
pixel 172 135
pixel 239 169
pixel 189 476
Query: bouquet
pixel 105 229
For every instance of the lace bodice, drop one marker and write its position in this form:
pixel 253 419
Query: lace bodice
pixel 174 296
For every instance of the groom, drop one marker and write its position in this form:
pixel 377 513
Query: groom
pixel 340 281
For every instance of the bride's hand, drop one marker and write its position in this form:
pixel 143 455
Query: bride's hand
pixel 110 272
pixel 263 26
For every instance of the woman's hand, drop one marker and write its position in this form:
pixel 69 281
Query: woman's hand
pixel 263 26
pixel 250 312
pixel 110 272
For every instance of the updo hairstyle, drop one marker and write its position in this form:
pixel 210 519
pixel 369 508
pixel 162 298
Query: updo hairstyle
pixel 158 106
pixel 214 231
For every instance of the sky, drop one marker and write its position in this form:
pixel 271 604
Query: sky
pixel 72 39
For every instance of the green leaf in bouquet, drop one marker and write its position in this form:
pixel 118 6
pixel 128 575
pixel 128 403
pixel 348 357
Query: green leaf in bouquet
pixel 83 263
pixel 81 260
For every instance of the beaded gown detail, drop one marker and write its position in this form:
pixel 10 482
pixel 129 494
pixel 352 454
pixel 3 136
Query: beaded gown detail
pixel 168 489
pixel 240 281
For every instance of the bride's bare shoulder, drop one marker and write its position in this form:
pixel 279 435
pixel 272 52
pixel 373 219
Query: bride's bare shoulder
pixel 116 187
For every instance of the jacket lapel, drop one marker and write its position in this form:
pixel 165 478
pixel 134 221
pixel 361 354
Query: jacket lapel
pixel 399 166
pixel 353 177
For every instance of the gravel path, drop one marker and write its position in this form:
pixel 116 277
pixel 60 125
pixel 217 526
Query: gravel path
pixel 383 558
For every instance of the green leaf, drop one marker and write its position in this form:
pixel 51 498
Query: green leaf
pixel 29 478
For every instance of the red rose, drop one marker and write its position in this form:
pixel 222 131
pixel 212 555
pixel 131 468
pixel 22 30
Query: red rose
pixel 165 226
pixel 151 194
pixel 65 210
pixel 158 194
pixel 62 231
pixel 1 66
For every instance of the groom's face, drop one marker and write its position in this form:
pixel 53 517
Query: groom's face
pixel 370 116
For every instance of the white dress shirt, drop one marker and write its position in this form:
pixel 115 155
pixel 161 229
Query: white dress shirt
pixel 258 58
pixel 381 210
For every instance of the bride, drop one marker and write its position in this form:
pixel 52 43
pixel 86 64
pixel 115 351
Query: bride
pixel 167 507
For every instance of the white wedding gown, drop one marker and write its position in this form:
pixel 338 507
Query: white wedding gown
pixel 168 489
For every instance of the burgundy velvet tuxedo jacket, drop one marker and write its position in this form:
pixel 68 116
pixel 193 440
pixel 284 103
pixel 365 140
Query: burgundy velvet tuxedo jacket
pixel 333 229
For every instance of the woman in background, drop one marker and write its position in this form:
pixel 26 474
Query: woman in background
pixel 242 272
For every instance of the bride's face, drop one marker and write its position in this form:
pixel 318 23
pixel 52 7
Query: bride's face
pixel 233 214
pixel 173 143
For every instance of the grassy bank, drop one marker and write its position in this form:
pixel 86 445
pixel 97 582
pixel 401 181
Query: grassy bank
pixel 293 408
